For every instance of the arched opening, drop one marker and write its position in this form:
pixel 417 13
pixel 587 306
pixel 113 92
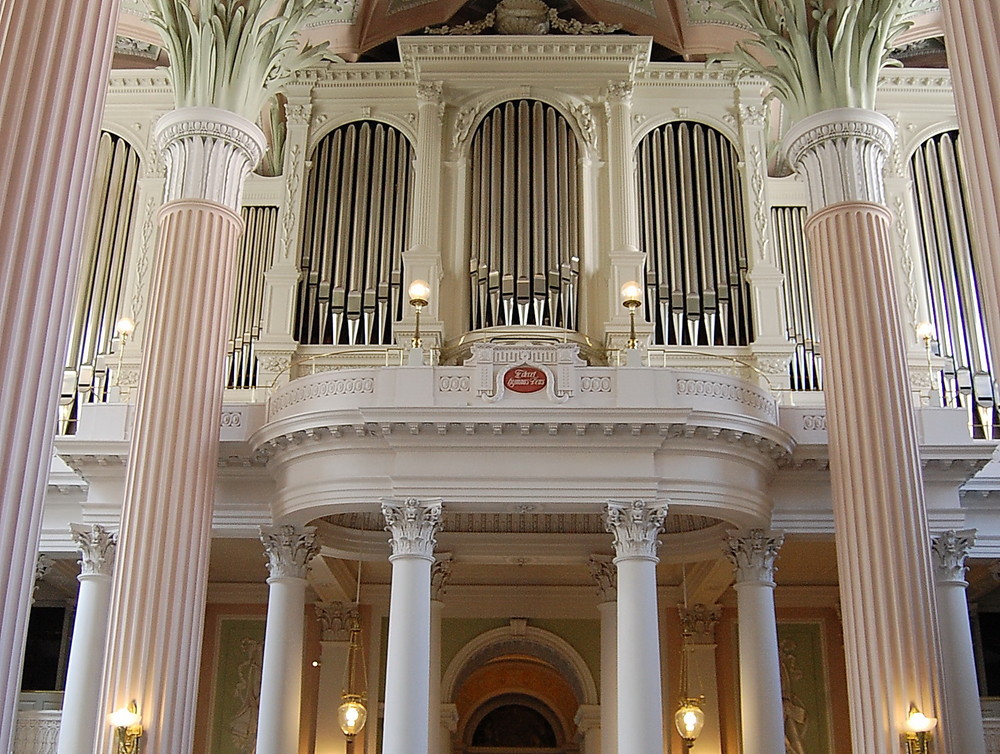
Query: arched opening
pixel 514 723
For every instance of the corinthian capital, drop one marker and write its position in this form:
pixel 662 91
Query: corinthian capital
pixel 636 526
pixel 289 550
pixel 97 548
pixel 605 575
pixel 413 525
pixel 753 554
pixel 949 551
pixel 440 574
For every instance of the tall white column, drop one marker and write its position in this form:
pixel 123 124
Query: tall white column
pixel 440 573
pixel 82 695
pixel 413 525
pixel 289 550
pixel 698 625
pixel 636 526
pixel 603 570
pixel 883 546
pixel 54 61
pixel 961 687
pixel 170 482
pixel 761 710
pixel 335 619
pixel 972 34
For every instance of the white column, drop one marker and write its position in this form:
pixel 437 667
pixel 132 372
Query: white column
pixel 636 526
pixel 961 687
pixel 972 36
pixel 761 710
pixel 891 644
pixel 413 525
pixel 440 573
pixel 173 454
pixel 82 695
pixel 54 61
pixel 335 619
pixel 698 625
pixel 603 570
pixel 289 550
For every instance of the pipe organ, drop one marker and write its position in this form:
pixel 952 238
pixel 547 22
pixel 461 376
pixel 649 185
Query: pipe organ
pixel 356 227
pixel 793 260
pixel 524 218
pixel 954 304
pixel 692 230
pixel 252 262
pixel 90 370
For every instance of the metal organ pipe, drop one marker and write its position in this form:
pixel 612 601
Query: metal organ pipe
pixel 952 287
pixel 355 231
pixel 693 233
pixel 524 235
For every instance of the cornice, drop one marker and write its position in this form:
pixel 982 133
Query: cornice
pixel 632 51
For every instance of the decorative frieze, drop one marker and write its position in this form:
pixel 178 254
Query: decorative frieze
pixel 753 553
pixel 636 526
pixel 97 548
pixel 698 622
pixel 605 575
pixel 289 549
pixel 949 551
pixel 413 525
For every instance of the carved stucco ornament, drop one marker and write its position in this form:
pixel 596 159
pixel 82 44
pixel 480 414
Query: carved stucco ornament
pixel 413 525
pixel 289 550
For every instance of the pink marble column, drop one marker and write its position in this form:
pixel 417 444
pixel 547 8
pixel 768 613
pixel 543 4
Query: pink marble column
pixel 53 73
pixel 162 571
pixel 883 546
pixel 972 33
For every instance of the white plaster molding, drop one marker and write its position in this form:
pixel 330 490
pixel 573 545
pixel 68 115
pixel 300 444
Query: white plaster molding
pixel 753 553
pixel 97 548
pixel 209 153
pixel 699 621
pixel 948 553
pixel 605 575
pixel 440 574
pixel 289 550
pixel 413 525
pixel 636 526
pixel 843 153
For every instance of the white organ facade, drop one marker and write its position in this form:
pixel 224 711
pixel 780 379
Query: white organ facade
pixel 520 509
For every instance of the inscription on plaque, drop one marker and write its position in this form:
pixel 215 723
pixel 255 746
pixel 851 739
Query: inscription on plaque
pixel 525 379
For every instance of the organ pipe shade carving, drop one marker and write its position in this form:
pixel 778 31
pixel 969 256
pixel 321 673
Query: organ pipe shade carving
pixel 524 218
pixel 793 260
pixel 253 260
pixel 356 227
pixel 110 215
pixel 692 230
pixel 952 285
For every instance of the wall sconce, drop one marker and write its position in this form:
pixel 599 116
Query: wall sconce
pixel 631 300
pixel 128 726
pixel 419 292
pixel 918 731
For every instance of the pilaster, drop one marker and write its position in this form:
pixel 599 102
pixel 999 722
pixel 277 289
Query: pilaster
pixel 698 627
pixel 605 576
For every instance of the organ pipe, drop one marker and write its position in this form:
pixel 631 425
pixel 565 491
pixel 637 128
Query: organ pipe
pixel 525 235
pixel 356 227
pixel 89 371
pixel 252 262
pixel 952 285
pixel 692 229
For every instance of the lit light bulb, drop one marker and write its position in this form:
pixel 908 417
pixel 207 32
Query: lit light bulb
pixel 124 327
pixel 631 294
pixel 918 722
pixel 419 292
pixel 925 331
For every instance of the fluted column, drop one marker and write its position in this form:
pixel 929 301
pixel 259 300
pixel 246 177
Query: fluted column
pixel 81 699
pixel 753 553
pixel 972 34
pixel 636 526
pixel 698 625
pixel 53 72
pixel 413 525
pixel 440 573
pixel 603 571
pixel 289 550
pixel 169 487
pixel 883 548
pixel 961 687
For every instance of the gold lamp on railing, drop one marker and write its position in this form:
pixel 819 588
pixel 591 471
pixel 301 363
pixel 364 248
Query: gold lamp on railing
pixel 631 300
pixel 124 328
pixel 419 292
pixel 926 332
pixel 918 731
pixel 128 728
